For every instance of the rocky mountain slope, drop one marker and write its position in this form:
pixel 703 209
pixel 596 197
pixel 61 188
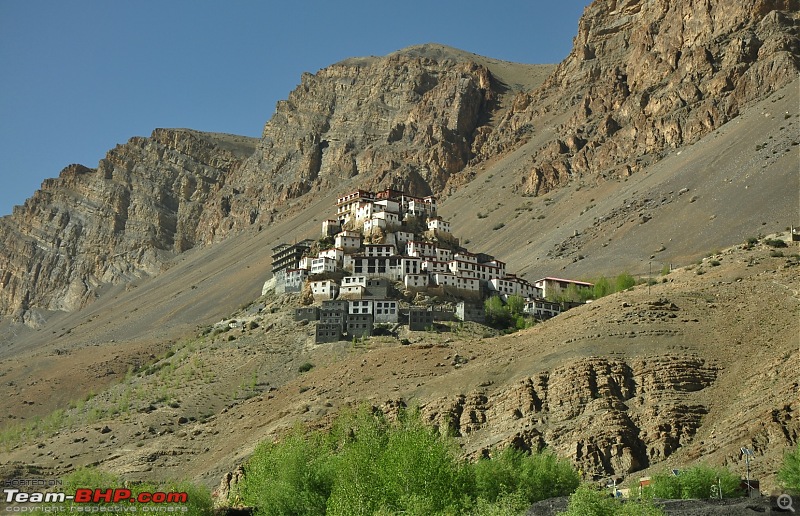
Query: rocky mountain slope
pixel 645 77
pixel 670 132
pixel 145 202
pixel 409 120
pixel 642 78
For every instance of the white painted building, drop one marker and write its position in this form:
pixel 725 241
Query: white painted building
pixel 458 282
pixel 322 265
pixel 348 241
pixel 351 291
pixel 552 287
pixel 466 257
pixel 364 210
pixel 324 289
pixel 421 207
pixel 330 227
pixel 416 281
pixel 294 279
pixel 471 269
pixel 379 250
pixel 420 249
pixel 347 205
pixel 375 266
pixel 354 280
pixel 389 206
pixel 335 253
pixel 438 224
pixel 541 308
pixel 512 285
pixel 410 265
pixel 360 306
pixel 401 238
pixel 444 255
pixel 372 224
pixel 432 266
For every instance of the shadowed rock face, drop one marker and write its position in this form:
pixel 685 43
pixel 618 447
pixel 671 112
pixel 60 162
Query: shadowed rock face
pixel 142 205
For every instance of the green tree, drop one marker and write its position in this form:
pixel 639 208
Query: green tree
pixel 497 314
pixel 532 476
pixel 602 287
pixel 623 282
pixel 586 501
pixel 516 305
pixel 297 471
pixel 789 474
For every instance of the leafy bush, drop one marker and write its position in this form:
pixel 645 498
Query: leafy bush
pixel 515 304
pixel 529 477
pixel 789 474
pixel 623 282
pixel 697 482
pixel 774 242
pixel 306 367
pixel 497 314
pixel 602 288
pixel 367 465
pixel 292 477
pixel 587 501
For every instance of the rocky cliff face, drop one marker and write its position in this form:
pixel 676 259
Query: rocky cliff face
pixel 608 416
pixel 646 76
pixel 406 121
pixel 409 121
pixel 142 204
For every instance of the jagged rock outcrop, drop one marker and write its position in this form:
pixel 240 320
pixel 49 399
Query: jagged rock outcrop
pixel 646 76
pixel 146 201
pixel 406 121
pixel 608 416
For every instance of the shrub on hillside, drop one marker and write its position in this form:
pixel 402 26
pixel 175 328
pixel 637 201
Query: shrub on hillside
pixel 368 465
pixel 774 242
pixel 789 474
pixel 530 477
pixel 697 482
pixel 587 501
pixel 623 282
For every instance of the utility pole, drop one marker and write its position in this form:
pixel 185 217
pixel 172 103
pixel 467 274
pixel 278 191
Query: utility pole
pixel 747 454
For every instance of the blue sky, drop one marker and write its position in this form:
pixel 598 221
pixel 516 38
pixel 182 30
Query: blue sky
pixel 82 76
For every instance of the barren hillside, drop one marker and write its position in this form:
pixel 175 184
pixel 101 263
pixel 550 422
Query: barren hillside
pixel 637 153
pixel 692 368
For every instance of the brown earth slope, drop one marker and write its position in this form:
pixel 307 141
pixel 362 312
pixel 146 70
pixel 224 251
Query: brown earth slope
pixel 691 368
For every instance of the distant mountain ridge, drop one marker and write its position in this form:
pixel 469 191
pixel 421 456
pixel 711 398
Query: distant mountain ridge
pixel 642 78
